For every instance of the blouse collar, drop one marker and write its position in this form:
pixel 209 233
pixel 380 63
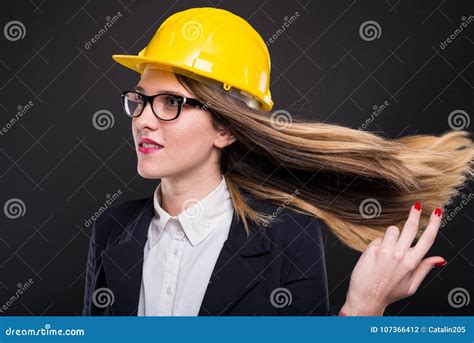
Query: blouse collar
pixel 200 217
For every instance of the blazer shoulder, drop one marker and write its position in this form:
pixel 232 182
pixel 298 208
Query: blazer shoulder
pixel 284 219
pixel 117 216
pixel 128 208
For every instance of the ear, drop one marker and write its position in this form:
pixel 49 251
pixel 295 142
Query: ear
pixel 224 138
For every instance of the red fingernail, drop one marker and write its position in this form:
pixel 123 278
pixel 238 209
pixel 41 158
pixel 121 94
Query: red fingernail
pixel 438 212
pixel 341 313
pixel 440 264
pixel 417 206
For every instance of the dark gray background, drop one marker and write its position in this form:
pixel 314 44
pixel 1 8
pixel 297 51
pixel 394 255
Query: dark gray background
pixel 63 168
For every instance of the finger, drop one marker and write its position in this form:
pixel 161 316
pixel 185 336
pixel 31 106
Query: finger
pixel 376 241
pixel 422 271
pixel 371 247
pixel 390 237
pixel 428 236
pixel 410 228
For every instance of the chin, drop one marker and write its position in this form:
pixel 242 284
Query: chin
pixel 149 173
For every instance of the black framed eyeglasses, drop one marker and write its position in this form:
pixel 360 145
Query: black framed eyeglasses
pixel 165 106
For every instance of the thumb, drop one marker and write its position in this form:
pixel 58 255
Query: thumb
pixel 423 269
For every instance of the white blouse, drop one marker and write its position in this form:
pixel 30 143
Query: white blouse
pixel 181 252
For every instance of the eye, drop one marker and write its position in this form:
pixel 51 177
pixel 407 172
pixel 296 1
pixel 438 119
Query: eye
pixel 171 101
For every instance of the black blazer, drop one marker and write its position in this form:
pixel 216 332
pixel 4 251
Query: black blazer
pixel 288 253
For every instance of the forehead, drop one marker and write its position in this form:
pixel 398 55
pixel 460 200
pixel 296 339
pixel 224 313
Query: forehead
pixel 155 80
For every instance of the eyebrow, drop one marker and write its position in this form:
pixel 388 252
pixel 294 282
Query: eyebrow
pixel 141 89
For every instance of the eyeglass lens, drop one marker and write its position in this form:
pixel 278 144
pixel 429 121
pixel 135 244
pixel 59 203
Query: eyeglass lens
pixel 164 106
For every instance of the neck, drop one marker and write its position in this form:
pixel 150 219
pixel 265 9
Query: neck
pixel 177 191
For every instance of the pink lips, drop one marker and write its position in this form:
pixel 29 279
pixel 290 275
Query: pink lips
pixel 147 150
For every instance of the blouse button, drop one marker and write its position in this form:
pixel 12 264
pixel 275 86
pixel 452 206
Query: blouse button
pixel 176 251
pixel 168 290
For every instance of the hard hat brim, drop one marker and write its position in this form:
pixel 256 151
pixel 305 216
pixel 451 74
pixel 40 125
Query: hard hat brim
pixel 136 63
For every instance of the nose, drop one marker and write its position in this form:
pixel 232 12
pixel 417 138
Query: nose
pixel 147 119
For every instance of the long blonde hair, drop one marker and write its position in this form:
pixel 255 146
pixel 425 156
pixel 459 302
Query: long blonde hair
pixel 356 182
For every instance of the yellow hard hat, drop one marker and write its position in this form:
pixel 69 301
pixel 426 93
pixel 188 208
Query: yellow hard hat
pixel 214 44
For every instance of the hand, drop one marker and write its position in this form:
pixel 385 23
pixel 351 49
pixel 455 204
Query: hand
pixel 390 269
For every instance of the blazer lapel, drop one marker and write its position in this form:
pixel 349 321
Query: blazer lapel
pixel 123 263
pixel 237 269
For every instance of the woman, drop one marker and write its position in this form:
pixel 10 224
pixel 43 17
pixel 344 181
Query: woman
pixel 235 226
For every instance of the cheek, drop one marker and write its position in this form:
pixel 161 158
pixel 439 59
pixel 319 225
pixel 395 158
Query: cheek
pixel 191 136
